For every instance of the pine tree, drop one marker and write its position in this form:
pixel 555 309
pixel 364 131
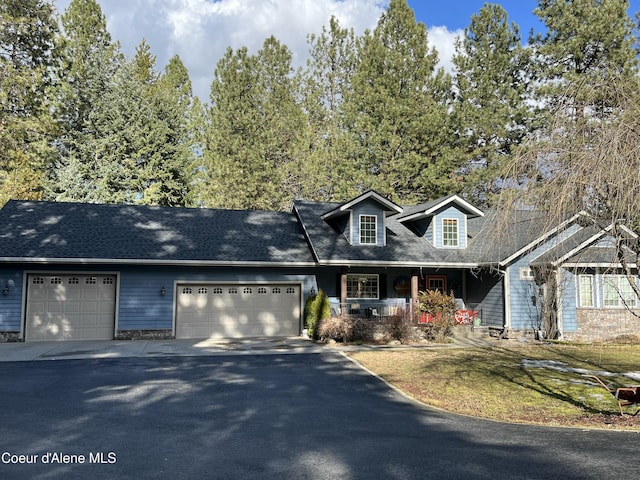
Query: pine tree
pixel 588 42
pixel 140 147
pixel 251 157
pixel 398 112
pixel 89 63
pixel 491 104
pixel 27 59
pixel 327 81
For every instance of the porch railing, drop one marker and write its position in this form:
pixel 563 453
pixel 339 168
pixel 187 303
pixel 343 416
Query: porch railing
pixel 373 310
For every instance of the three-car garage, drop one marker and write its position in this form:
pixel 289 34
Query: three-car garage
pixel 72 306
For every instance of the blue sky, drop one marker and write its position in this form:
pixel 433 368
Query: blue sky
pixel 456 14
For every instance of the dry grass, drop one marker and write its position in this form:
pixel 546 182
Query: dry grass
pixel 540 385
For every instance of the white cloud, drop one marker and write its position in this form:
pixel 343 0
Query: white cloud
pixel 444 42
pixel 200 31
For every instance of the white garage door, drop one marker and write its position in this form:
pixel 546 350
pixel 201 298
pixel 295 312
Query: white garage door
pixel 70 307
pixel 235 311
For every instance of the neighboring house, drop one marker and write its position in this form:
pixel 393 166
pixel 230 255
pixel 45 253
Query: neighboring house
pixel 87 271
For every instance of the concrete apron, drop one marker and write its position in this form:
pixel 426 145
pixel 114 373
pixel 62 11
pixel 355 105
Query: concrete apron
pixel 78 349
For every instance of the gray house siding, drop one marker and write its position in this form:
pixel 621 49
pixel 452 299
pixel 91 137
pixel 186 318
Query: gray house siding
pixel 11 279
pixel 486 295
pixel 569 301
pixel 523 295
pixel 436 226
pixel 367 208
pixel 522 298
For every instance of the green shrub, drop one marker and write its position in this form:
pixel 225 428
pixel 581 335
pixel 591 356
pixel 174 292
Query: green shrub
pixel 316 309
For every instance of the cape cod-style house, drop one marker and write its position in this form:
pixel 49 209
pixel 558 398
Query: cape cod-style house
pixel 88 271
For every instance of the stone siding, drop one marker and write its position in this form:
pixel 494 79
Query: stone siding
pixel 10 337
pixel 597 324
pixel 143 334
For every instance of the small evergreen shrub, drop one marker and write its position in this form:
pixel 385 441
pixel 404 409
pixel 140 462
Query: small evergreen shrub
pixel 316 309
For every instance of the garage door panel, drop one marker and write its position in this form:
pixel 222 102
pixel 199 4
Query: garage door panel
pixel 235 311
pixel 67 306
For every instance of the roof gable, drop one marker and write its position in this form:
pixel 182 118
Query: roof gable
pixel 428 209
pixel 386 205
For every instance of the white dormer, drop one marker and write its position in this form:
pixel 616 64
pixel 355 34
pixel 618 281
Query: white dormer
pixel 362 220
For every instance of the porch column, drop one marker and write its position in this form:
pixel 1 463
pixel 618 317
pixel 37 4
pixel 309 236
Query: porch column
pixel 343 292
pixel 414 290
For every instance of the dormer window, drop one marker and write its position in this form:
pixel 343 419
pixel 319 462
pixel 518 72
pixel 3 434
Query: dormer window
pixel 368 230
pixel 450 232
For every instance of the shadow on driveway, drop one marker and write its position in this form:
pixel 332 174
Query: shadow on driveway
pixel 268 416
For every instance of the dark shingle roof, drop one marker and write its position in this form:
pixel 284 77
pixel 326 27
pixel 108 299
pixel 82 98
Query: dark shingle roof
pixel 55 231
pixel 405 246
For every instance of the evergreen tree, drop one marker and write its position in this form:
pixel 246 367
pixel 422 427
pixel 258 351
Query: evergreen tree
pixel 588 42
pixel 491 109
pixel 252 144
pixel 398 112
pixel 27 60
pixel 89 63
pixel 142 156
pixel 586 157
pixel 327 81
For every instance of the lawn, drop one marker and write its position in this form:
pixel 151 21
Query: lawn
pixel 545 385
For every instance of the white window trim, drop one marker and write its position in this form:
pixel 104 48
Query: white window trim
pixel 526 274
pixel 375 222
pixel 593 290
pixel 377 297
pixel 457 223
pixel 620 302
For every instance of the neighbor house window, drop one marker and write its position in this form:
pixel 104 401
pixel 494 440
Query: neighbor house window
pixel 368 230
pixel 449 232
pixel 362 286
pixel 617 292
pixel 586 290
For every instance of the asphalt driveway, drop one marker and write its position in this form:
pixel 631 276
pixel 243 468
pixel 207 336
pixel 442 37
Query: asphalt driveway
pixel 307 416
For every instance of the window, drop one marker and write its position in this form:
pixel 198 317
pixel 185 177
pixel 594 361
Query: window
pixel 56 281
pixel 526 274
pixel 107 281
pixel 437 283
pixel 202 291
pixel 291 290
pixel 74 281
pixel 247 290
pixel 275 290
pixel 585 288
pixel 38 280
pixel 262 290
pixel 217 291
pixel 617 292
pixel 368 230
pixel 91 281
pixel 233 290
pixel 362 286
pixel 187 291
pixel 449 232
